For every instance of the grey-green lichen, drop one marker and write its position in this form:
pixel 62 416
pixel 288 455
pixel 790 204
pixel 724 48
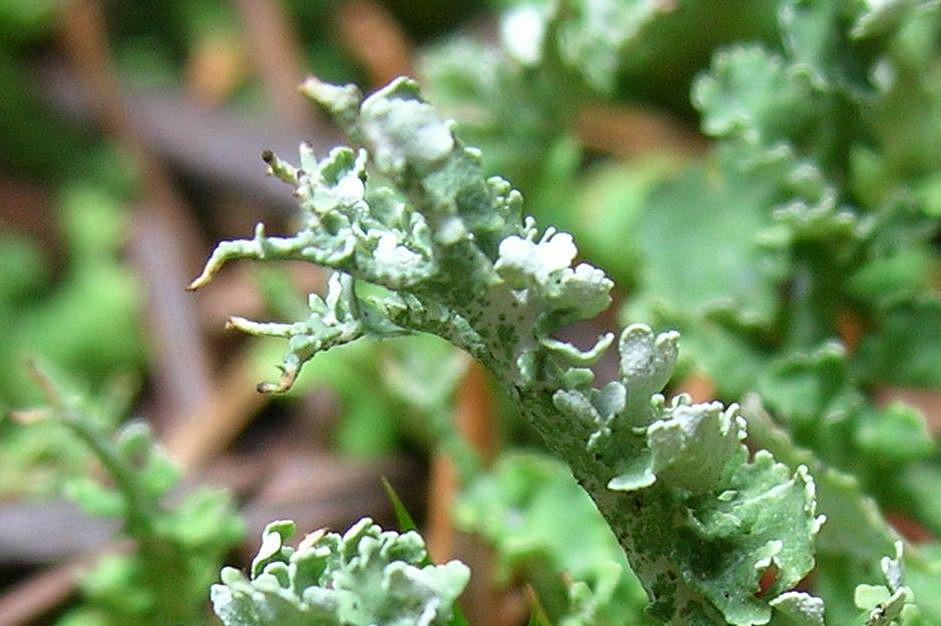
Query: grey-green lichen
pixel 700 518
pixel 364 577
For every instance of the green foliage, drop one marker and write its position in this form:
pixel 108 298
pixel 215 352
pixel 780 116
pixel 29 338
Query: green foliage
pixel 496 102
pixel 85 321
pixel 176 548
pixel 37 458
pixel 545 528
pixel 23 22
pixel 365 576
pixel 855 536
pixel 458 261
pixel 402 516
pixel 521 101
pixel 63 321
pixel 813 214
pixel 98 298
pixel 810 216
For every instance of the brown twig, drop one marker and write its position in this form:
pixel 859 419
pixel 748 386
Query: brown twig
pixel 276 53
pixel 215 68
pixel 474 419
pixel 86 41
pixel 48 531
pixel 182 374
pixel 33 597
pixel 216 146
pixel 28 209
pixel 439 528
pixel 699 386
pixel 851 327
pixel 205 431
pixel 375 39
pixel 167 241
pixel 624 131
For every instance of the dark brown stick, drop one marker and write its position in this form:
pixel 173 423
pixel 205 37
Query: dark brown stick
pixel 167 241
pixel 213 424
pixel 32 598
pixel 86 41
pixel 373 36
pixel 276 53
pixel 474 419
pixel 219 147
pixel 628 131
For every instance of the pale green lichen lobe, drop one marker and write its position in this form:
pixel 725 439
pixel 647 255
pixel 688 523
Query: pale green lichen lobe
pixel 364 577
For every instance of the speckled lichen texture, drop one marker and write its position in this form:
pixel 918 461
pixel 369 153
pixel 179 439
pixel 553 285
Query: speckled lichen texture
pixel 700 518
pixel 364 577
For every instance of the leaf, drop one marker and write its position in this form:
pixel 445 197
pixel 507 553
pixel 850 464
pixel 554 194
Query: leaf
pixel 905 347
pixel 817 36
pixel 538 615
pixel 404 518
pixel 752 95
pixel 593 36
pixel 714 259
pixel 176 546
pixel 526 507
